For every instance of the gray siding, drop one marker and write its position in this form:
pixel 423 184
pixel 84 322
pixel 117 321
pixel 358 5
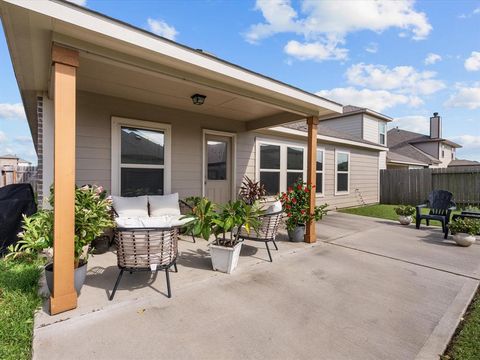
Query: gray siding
pixel 351 125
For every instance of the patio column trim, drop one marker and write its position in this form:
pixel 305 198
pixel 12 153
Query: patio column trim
pixel 65 63
pixel 312 122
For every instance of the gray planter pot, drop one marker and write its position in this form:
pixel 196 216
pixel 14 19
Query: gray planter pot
pixel 79 277
pixel 297 234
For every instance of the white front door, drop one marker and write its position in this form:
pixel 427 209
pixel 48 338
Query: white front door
pixel 218 168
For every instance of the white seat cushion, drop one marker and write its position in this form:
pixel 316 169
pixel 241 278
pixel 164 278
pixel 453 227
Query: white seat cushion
pixel 136 206
pixel 161 205
pixel 156 222
pixel 127 222
pixel 275 207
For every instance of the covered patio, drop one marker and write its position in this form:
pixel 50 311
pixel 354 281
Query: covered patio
pixel 318 300
pixel 84 77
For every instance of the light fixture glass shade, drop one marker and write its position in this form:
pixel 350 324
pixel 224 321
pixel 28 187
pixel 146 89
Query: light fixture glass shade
pixel 198 99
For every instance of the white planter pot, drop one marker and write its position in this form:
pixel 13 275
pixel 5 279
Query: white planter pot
pixel 225 259
pixel 464 239
pixel 405 220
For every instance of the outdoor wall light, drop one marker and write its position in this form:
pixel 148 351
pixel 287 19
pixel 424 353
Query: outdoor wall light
pixel 198 99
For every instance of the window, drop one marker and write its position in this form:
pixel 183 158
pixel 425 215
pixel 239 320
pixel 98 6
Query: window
pixel 217 153
pixel 140 158
pixel 270 168
pixel 320 161
pixel 294 165
pixel 443 151
pixel 382 130
pixel 342 172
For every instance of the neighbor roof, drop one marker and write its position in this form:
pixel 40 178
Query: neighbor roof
pixel 463 162
pixel 413 152
pixel 353 110
pixel 398 136
pixel 395 157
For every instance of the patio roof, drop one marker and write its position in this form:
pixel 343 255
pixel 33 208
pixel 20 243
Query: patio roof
pixel 121 60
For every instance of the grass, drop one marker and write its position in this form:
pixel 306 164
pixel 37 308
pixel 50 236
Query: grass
pixel 465 344
pixel 382 212
pixel 18 301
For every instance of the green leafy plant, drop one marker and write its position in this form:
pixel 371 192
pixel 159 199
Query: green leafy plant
pixel 296 202
pixel 209 219
pixel 465 226
pixel 252 191
pixel 405 210
pixel 92 217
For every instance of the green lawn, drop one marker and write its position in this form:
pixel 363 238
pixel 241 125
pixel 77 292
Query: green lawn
pixel 382 212
pixel 18 301
pixel 465 345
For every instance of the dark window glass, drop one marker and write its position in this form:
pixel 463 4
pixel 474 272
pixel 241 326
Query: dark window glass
pixel 294 158
pixel 271 181
pixel 342 182
pixel 293 177
pixel 382 139
pixel 319 160
pixel 136 182
pixel 269 157
pixel 342 162
pixel 217 160
pixel 319 183
pixel 141 146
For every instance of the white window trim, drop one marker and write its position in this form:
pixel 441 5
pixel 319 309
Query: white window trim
pixel 117 123
pixel 342 172
pixel 321 194
pixel 382 125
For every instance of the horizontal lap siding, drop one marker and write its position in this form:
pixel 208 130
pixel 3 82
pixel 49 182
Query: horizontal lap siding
pixel 351 125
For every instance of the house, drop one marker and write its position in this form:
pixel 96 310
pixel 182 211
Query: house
pixel 463 163
pixel 110 104
pixel 12 169
pixel 412 150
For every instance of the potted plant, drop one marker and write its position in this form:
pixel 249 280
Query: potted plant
pixel 92 217
pixel 252 191
pixel 464 230
pixel 295 203
pixel 223 224
pixel 405 213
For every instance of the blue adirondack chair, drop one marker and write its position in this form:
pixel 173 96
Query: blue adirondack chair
pixel 441 206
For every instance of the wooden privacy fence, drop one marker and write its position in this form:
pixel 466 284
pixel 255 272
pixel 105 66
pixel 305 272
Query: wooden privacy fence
pixel 21 174
pixel 413 186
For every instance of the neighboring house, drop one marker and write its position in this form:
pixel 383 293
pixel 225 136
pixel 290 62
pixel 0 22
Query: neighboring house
pixel 412 150
pixel 458 163
pixel 139 132
pixel 12 168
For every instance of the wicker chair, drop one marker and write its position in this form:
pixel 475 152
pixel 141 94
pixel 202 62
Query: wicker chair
pixel 143 249
pixel 186 209
pixel 267 232
pixel 441 206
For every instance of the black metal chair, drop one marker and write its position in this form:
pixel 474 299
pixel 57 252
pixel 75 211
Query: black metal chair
pixel 441 206
pixel 267 232
pixel 142 249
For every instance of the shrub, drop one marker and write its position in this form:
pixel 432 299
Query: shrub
pixel 465 226
pixel 405 210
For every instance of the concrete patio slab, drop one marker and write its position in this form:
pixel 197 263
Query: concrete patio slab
pixel 330 300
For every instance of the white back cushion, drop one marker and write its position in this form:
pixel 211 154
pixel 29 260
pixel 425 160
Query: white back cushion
pixel 164 205
pixel 275 207
pixel 130 206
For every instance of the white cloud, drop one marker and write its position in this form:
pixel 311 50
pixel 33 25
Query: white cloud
pixel 161 28
pixel 378 100
pixel 432 59
pixel 315 51
pixel 404 79
pixel 468 141
pixel 372 48
pixel 331 21
pixel 415 123
pixel 12 111
pixel 465 97
pixel 79 2
pixel 473 62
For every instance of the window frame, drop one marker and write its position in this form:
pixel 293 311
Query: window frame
pixel 382 126
pixel 321 194
pixel 337 152
pixel 116 152
pixel 283 160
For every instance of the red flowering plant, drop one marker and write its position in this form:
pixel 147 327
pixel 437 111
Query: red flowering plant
pixel 295 203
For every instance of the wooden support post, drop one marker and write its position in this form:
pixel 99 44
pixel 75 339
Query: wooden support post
pixel 312 122
pixel 65 63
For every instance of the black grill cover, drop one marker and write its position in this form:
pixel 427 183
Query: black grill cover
pixel 15 200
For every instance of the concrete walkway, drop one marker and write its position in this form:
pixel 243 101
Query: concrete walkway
pixel 370 289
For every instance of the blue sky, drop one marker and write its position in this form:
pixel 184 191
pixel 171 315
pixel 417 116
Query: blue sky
pixel 405 59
